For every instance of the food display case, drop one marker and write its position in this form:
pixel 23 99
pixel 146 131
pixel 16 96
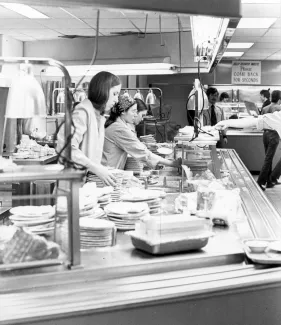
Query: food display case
pixel 124 285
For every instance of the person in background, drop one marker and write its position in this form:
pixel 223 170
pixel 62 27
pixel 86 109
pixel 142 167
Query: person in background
pixel 214 114
pixel 224 97
pixel 121 140
pixel 264 96
pixel 88 120
pixel 268 122
pixel 142 111
pixel 275 103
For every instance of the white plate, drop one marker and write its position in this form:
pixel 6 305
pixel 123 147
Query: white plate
pixel 275 246
pixel 165 151
pixel 46 211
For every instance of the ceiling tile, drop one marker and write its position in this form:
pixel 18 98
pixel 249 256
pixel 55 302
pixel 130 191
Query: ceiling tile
pixel 41 33
pixel 246 39
pixel 273 33
pixel 78 31
pixel 261 51
pixel 260 10
pixel 6 13
pixel 277 24
pixel 82 12
pixel 275 56
pixel 250 32
pixel 135 14
pixel 19 23
pixel 154 23
pixel 111 13
pixel 61 23
pixel 52 12
pixel 272 45
pixel 112 23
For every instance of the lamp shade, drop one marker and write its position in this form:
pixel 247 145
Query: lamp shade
pixel 26 98
pixel 60 98
pixel 138 95
pixel 150 98
pixel 126 94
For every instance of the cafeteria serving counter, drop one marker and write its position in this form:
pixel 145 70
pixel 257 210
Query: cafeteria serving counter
pixel 121 285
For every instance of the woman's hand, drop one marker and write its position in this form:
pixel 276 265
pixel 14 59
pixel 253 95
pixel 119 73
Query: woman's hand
pixel 106 176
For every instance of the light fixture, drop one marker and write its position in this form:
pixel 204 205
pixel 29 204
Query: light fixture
pixel 261 1
pixel 60 97
pixel 232 54
pixel 256 22
pixel 138 95
pixel 118 69
pixel 126 94
pixel 24 10
pixel 150 98
pixel 239 45
pixel 207 34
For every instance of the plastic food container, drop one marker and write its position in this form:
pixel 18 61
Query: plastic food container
pixel 162 248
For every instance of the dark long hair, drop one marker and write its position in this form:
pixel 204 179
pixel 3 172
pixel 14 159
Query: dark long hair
pixel 141 106
pixel 99 88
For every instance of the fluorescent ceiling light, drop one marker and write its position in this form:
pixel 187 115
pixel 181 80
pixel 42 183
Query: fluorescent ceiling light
pixel 231 54
pixel 24 10
pixel 256 22
pixel 239 45
pixel 261 1
pixel 118 69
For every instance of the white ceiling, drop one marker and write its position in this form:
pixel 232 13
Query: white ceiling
pixel 82 21
pixel 267 42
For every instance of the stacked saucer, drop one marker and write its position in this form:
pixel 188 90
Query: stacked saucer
pixel 96 233
pixel 126 214
pixel 134 165
pixel 38 219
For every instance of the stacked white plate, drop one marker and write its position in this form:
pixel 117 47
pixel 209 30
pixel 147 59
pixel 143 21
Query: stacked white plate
pixel 134 165
pixel 150 138
pixel 96 233
pixel 126 214
pixel 104 200
pixel 152 198
pixel 38 219
pixel 94 178
pixel 154 206
pixel 117 190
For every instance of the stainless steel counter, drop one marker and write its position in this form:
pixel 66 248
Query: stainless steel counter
pixel 123 286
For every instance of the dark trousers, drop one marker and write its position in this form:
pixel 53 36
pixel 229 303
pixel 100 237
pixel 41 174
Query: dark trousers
pixel 276 173
pixel 270 142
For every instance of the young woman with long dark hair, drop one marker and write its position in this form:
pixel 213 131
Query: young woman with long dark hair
pixel 88 119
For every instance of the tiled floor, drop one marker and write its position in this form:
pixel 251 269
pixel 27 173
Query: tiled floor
pixel 274 195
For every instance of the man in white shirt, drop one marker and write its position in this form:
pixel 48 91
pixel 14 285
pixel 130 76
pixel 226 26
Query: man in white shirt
pixel 270 121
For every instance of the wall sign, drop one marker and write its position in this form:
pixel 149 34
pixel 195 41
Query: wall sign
pixel 246 72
